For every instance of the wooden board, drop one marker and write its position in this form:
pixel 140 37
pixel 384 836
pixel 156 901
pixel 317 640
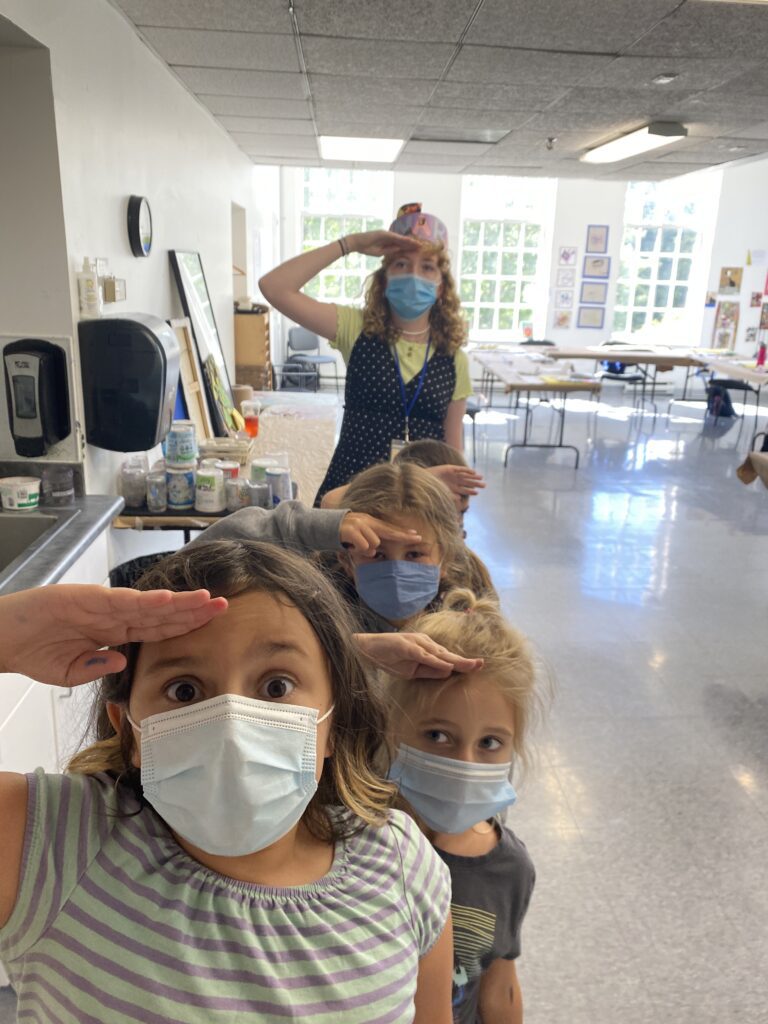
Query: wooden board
pixel 191 378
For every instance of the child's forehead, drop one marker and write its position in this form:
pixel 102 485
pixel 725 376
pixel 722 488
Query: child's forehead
pixel 463 698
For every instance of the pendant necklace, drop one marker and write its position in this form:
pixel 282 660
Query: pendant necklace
pixel 490 827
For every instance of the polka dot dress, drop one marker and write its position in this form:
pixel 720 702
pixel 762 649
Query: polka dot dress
pixel 373 409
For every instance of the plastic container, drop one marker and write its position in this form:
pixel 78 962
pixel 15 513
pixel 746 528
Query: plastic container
pixel 250 410
pixel 229 468
pixel 259 467
pixel 279 482
pixel 259 495
pixel 58 486
pixel 89 290
pixel 157 491
pixel 181 444
pixel 133 481
pixel 20 492
pixel 209 490
pixel 237 493
pixel 180 484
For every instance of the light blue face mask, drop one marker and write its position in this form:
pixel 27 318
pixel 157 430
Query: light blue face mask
pixel 451 796
pixel 231 775
pixel 397 590
pixel 410 295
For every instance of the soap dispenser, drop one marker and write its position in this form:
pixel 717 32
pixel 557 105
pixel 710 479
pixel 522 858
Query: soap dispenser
pixel 89 290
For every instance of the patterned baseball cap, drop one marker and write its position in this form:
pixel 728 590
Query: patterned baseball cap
pixel 412 222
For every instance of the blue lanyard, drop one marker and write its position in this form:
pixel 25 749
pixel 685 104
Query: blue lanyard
pixel 408 408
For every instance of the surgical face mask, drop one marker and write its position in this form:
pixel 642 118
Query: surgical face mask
pixel 232 775
pixel 451 796
pixel 410 295
pixel 397 590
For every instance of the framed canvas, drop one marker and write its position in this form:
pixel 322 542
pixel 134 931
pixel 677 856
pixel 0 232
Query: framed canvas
pixel 764 317
pixel 566 278
pixel 593 292
pixel 567 256
pixel 597 238
pixel 562 318
pixel 726 324
pixel 730 280
pixel 592 317
pixel 191 379
pixel 710 300
pixel 596 266
pixel 757 300
pixel 564 298
pixel 196 302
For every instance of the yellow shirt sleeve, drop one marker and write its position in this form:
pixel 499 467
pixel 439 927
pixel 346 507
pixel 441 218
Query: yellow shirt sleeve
pixel 349 324
pixel 463 388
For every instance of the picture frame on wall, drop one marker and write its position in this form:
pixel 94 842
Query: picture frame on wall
pixel 594 291
pixel 726 325
pixel 764 317
pixel 730 280
pixel 566 277
pixel 591 317
pixel 597 238
pixel 597 267
pixel 567 256
pixel 756 300
pixel 564 298
pixel 562 319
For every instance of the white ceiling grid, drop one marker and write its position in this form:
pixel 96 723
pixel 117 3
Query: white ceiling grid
pixel 473 86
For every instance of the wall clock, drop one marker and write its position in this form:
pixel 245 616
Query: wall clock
pixel 139 226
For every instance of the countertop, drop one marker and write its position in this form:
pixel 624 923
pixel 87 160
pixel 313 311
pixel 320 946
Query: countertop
pixel 93 515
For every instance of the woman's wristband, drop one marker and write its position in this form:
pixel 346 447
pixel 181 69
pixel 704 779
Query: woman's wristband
pixel 344 246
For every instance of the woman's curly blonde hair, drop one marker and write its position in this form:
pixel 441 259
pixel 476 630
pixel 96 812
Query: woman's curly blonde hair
pixel 448 329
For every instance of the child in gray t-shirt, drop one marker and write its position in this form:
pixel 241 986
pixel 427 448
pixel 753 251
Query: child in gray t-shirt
pixel 454 742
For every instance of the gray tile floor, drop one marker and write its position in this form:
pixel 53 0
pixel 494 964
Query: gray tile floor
pixel 643 578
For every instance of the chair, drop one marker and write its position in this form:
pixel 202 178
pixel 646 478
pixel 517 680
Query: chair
pixel 738 385
pixel 475 404
pixel 304 347
pixel 614 369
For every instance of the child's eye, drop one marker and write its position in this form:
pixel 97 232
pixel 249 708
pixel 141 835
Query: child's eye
pixel 277 687
pixel 415 554
pixel 436 736
pixel 490 743
pixel 184 691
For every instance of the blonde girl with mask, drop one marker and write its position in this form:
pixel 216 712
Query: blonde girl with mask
pixel 225 850
pixel 407 377
pixel 455 745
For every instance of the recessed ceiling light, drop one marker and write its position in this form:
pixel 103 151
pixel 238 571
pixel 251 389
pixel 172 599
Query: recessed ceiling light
pixel 364 150
pixel 653 136
pixel 665 78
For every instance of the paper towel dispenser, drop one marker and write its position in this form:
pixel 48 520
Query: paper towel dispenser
pixel 130 371
pixel 37 391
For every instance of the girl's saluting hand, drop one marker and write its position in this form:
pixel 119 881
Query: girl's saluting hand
pixel 365 533
pixel 54 634
pixel 414 655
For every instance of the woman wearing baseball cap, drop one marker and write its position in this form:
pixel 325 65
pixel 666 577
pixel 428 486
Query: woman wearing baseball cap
pixel 407 378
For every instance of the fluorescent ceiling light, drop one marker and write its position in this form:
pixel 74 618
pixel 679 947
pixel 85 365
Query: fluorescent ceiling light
pixel 340 147
pixel 653 136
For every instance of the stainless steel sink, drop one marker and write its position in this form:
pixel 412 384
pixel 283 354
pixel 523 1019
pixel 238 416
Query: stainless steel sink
pixel 24 534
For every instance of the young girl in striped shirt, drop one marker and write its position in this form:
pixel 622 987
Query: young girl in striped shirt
pixel 224 852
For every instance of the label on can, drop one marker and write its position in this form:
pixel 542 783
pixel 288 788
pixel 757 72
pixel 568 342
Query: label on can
pixel 181 488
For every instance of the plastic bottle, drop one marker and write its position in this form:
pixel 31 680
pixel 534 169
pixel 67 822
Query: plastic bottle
pixel 89 290
pixel 761 354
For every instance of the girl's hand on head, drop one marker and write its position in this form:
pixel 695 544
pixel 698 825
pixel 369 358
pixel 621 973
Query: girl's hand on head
pixel 381 243
pixel 460 480
pixel 364 533
pixel 414 655
pixel 55 634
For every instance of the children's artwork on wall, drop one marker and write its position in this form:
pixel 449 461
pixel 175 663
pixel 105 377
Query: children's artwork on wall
pixel 562 319
pixel 567 256
pixel 764 317
pixel 726 322
pixel 757 300
pixel 765 289
pixel 591 316
pixel 711 300
pixel 730 280
pixel 564 298
pixel 597 238
pixel 566 278
pixel 751 336
pixel 593 292
pixel 596 266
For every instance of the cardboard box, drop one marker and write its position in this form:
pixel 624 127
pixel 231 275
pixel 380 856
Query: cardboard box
pixel 259 377
pixel 251 339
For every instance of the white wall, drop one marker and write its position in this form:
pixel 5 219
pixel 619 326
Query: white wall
pixel 126 126
pixel 741 227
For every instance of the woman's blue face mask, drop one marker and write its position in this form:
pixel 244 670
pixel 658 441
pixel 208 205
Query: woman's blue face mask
pixel 410 295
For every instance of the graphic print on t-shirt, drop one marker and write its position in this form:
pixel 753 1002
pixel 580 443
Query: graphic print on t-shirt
pixel 473 934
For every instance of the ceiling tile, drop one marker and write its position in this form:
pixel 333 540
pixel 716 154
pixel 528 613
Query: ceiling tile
pixel 361 91
pixel 640 103
pixel 716 104
pixel 554 121
pixel 256 106
pixel 495 95
pixel 379 58
pixel 755 131
pixel 222 82
pixel 441 117
pixel 248 51
pixel 716 150
pixel 266 125
pixel 652 171
pixel 693 73
pixel 427 163
pixel 751 80
pixel 709 30
pixel 286 161
pixel 596 26
pixel 279 145
pixel 455 149
pixel 234 15
pixel 523 67
pixel 397 19
pixel 367 130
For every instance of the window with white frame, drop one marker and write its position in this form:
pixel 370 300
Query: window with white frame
pixel 338 202
pixel 504 258
pixel 661 269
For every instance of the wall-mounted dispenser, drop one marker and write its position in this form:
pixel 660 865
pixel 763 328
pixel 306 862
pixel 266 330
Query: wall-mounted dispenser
pixel 37 390
pixel 130 370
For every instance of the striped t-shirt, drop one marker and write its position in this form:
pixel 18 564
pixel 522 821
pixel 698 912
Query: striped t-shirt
pixel 115 923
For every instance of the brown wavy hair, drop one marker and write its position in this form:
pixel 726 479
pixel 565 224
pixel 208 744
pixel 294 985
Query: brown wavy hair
pixel 448 329
pixel 228 568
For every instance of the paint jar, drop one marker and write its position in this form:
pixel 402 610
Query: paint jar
pixel 259 467
pixel 209 490
pixel 237 493
pixel 133 481
pixel 279 481
pixel 259 495
pixel 157 491
pixel 20 492
pixel 180 484
pixel 181 444
pixel 229 468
